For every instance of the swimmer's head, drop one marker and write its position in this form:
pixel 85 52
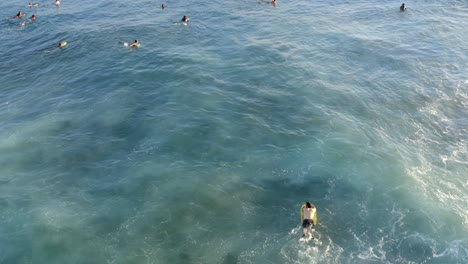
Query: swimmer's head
pixel 403 7
pixel 62 44
pixel 33 17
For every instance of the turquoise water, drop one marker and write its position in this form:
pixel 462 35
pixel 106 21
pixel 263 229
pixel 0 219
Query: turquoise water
pixel 201 145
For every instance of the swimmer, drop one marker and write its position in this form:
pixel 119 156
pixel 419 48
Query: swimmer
pixel 185 19
pixel 57 2
pixel 20 15
pixel 403 7
pixel 62 44
pixel 308 222
pixel 163 6
pixel 32 18
pixel 135 44
pixel 33 5
pixel 273 2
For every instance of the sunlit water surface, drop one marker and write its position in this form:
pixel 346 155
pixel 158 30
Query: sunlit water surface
pixel 201 145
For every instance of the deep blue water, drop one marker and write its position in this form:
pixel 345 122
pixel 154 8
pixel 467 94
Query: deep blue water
pixel 201 145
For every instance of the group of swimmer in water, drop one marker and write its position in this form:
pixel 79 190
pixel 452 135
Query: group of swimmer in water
pixel 33 18
pixel 136 43
pixel 21 15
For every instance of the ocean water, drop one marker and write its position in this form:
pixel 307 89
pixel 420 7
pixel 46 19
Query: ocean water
pixel 201 145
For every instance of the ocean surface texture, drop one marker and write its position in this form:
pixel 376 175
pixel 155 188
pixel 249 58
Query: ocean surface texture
pixel 201 145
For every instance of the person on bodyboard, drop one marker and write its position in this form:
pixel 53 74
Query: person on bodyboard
pixel 308 212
